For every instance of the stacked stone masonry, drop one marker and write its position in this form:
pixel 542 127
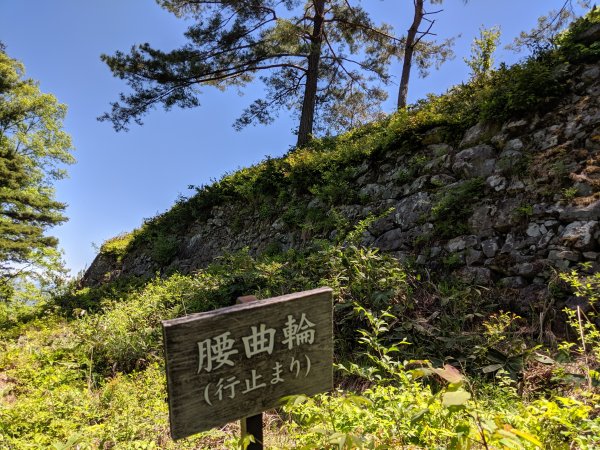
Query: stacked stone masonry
pixel 525 225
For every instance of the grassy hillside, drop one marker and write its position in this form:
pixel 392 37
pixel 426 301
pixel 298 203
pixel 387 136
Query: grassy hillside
pixel 420 362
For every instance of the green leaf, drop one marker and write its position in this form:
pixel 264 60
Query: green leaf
pixel 463 429
pixel 543 359
pixel 528 437
pixel 421 372
pixel 418 416
pixel 338 439
pixel 294 400
pixel 455 398
pixel 492 368
pixel 357 400
pixel 496 356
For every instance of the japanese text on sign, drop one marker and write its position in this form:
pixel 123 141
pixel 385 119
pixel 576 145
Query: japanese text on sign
pixel 241 360
pixel 216 352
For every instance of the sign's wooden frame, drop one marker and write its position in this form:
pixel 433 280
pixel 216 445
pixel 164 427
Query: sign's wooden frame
pixel 241 360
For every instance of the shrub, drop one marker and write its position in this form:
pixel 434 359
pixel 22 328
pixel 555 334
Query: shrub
pixel 118 245
pixel 453 206
pixel 571 47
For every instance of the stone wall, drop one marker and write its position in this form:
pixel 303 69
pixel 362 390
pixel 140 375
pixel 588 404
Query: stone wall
pixel 536 209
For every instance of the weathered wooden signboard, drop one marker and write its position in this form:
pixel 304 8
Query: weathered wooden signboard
pixel 241 360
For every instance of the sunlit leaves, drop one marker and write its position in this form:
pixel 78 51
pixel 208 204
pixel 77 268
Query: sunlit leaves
pixel 34 151
pixel 455 398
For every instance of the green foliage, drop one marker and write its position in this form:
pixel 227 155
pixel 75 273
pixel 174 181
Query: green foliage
pixel 94 378
pixel 483 47
pixel 503 350
pixel 520 89
pixel 452 261
pixel 232 43
pixel 541 79
pixel 397 410
pixel 33 152
pixel 17 312
pixel 573 47
pixel 584 320
pixel 164 248
pixel 523 212
pixel 117 246
pixel 73 301
pixel 83 358
pixel 366 277
pixel 569 194
pixel 453 207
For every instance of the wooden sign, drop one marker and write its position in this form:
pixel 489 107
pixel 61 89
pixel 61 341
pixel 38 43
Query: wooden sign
pixel 241 360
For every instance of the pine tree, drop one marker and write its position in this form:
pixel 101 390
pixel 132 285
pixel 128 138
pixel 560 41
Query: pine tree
pixel 33 151
pixel 309 54
pixel 424 53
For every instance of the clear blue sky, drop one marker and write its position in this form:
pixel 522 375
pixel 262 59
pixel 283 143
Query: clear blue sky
pixel 121 178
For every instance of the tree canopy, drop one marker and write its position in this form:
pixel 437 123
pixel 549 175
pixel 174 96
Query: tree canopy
pixel 33 152
pixel 310 55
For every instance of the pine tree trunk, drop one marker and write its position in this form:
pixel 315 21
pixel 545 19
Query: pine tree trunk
pixel 408 53
pixel 312 76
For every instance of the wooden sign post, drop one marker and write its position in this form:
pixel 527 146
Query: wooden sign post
pixel 252 425
pixel 239 361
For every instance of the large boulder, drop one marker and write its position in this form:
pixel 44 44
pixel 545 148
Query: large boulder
pixel 478 161
pixel 412 209
pixel 580 235
pixel 478 133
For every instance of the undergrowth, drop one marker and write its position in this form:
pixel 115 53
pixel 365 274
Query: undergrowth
pixel 94 378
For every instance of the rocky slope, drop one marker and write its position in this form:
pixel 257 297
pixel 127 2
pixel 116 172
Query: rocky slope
pixel 504 204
